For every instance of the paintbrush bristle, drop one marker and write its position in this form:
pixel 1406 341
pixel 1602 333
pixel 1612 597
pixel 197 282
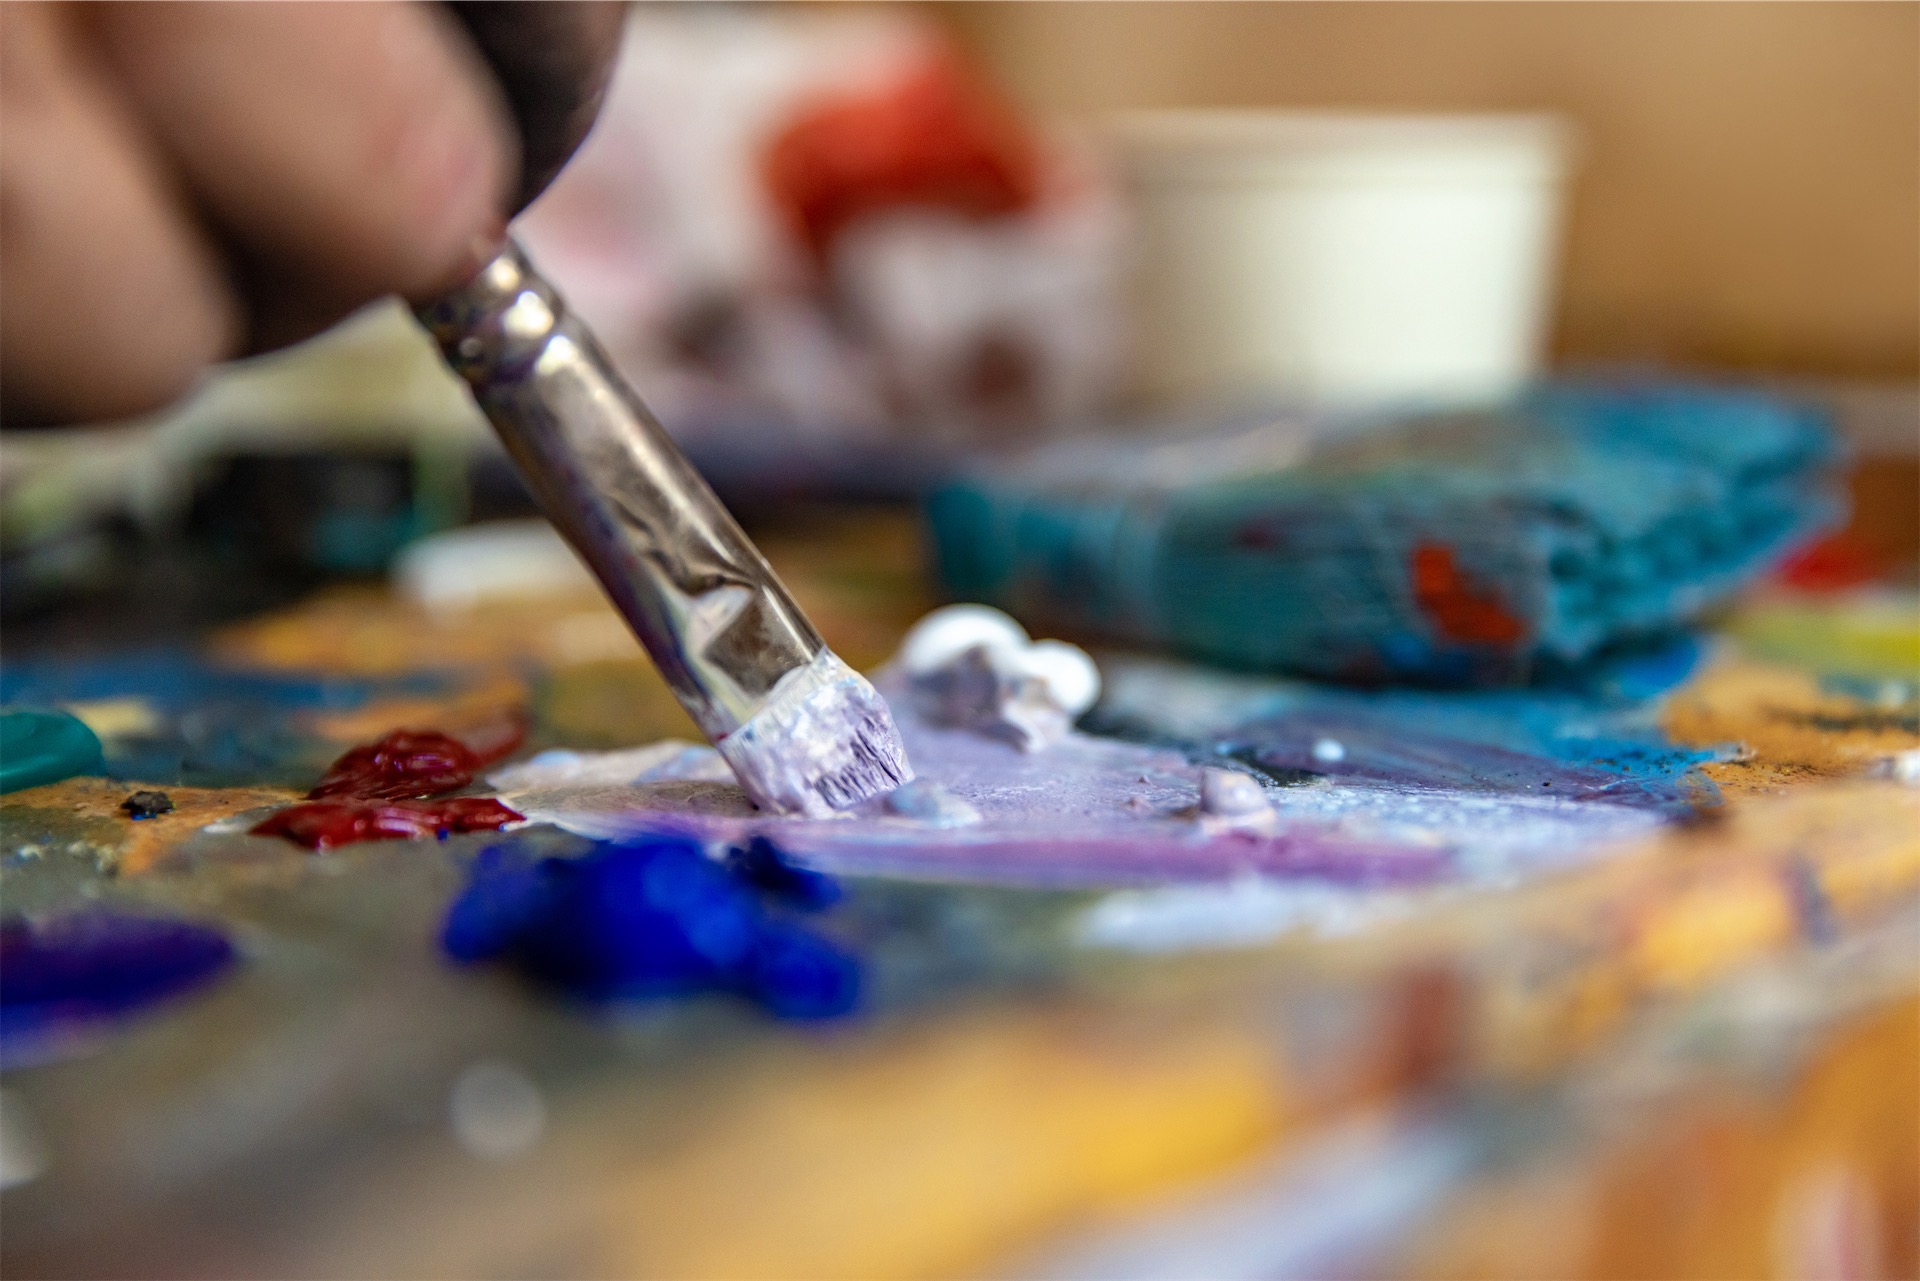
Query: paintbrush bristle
pixel 824 740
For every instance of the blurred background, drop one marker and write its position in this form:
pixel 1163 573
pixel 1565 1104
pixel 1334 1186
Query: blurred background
pixel 841 249
pixel 1747 174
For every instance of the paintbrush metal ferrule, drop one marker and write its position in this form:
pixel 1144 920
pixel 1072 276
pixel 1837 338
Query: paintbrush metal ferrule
pixel 803 731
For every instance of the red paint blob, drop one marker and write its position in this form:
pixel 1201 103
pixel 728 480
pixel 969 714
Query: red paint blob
pixel 321 825
pixel 1835 563
pixel 374 792
pixel 411 763
pixel 936 138
pixel 496 739
pixel 1458 609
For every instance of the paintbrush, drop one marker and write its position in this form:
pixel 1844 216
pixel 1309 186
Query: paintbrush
pixel 804 732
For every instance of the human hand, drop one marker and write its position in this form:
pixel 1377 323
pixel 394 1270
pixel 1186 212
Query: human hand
pixel 185 182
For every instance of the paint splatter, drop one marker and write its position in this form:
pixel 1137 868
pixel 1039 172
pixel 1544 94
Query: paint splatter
pixel 85 966
pixel 1394 751
pixel 325 825
pixel 648 917
pixel 1600 743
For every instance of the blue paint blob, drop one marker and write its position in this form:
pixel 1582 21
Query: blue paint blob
pixel 96 964
pixel 506 896
pixel 799 975
pixel 761 863
pixel 652 917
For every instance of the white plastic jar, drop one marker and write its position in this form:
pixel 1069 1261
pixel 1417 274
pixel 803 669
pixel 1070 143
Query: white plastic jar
pixel 1341 258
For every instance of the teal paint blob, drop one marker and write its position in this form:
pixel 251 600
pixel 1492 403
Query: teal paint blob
pixel 44 747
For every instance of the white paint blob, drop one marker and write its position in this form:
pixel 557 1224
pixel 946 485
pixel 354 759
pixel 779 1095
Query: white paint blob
pixel 1226 793
pixel 496 1111
pixel 927 801
pixel 973 667
pixel 1328 751
pixel 1068 670
pixel 945 634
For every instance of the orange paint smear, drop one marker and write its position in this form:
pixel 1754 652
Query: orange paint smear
pixel 1458 609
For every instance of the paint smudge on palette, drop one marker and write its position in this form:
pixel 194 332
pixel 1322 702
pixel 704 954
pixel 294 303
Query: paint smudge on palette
pixel 1084 813
pixel 1600 742
pixel 62 977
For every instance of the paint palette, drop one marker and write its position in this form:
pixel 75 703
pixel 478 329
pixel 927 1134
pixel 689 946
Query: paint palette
pixel 1426 1000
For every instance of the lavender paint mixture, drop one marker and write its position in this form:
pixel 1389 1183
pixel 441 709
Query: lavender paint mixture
pixel 1085 812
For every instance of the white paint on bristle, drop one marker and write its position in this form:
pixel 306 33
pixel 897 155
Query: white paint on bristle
pixel 823 741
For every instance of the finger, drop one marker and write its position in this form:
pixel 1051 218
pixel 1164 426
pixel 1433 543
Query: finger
pixel 360 149
pixel 554 59
pixel 111 302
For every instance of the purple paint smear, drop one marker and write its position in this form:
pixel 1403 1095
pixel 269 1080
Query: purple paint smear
pixel 1084 813
pixel 65 974
pixel 1382 750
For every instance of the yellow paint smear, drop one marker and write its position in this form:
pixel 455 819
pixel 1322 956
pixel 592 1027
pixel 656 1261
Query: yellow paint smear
pixel 917 1152
pixel 1823 1181
pixel 1559 967
pixel 1793 730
